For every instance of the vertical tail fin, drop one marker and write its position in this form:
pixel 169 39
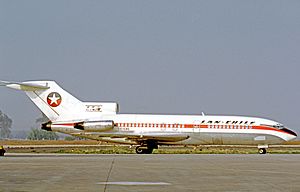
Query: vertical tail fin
pixel 50 98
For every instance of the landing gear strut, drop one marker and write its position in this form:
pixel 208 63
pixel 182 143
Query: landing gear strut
pixel 146 147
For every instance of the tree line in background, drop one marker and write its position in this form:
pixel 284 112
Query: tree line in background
pixel 39 134
pixel 34 134
pixel 5 125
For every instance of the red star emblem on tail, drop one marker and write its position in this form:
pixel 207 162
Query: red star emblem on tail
pixel 54 99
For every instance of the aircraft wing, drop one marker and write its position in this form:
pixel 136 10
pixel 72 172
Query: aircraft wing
pixel 157 136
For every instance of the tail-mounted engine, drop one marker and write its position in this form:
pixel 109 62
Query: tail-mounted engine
pixel 95 126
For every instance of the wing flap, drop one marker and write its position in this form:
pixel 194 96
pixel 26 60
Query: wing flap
pixel 157 136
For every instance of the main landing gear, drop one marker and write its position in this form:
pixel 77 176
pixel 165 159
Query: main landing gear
pixel 146 147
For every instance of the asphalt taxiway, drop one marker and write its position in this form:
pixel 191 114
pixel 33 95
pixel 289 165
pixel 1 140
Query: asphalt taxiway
pixel 50 172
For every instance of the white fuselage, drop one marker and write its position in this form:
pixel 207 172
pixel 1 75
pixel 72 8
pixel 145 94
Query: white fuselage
pixel 200 129
pixel 206 129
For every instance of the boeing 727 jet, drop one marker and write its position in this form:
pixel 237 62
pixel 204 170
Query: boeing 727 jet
pixel 101 121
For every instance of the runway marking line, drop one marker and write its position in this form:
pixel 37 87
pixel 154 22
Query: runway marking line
pixel 129 183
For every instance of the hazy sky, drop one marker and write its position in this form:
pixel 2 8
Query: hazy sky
pixel 175 57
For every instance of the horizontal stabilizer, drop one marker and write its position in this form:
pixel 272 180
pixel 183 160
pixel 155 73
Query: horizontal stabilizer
pixel 24 86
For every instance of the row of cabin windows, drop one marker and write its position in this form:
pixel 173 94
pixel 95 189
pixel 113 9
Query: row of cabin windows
pixel 150 125
pixel 182 126
pixel 230 126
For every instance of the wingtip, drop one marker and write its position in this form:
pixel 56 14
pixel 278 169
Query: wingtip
pixel 4 83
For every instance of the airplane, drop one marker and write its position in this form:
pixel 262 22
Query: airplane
pixel 102 121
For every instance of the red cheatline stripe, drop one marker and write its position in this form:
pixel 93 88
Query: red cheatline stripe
pixel 269 129
pixel 65 124
pixel 155 125
pixel 206 126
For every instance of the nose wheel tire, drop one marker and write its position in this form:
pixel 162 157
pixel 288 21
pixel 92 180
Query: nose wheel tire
pixel 262 151
pixel 2 151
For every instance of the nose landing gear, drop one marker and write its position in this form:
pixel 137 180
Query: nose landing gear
pixel 262 149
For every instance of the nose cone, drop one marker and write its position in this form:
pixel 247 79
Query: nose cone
pixel 292 134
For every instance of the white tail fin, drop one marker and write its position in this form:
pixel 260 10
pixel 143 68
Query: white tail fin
pixel 52 100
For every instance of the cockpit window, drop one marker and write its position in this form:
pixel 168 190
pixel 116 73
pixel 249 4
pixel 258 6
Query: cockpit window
pixel 278 126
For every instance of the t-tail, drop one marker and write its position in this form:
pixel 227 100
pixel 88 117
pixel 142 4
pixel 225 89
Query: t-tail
pixel 59 105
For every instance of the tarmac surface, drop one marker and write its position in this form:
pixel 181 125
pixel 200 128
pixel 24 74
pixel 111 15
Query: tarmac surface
pixel 62 172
